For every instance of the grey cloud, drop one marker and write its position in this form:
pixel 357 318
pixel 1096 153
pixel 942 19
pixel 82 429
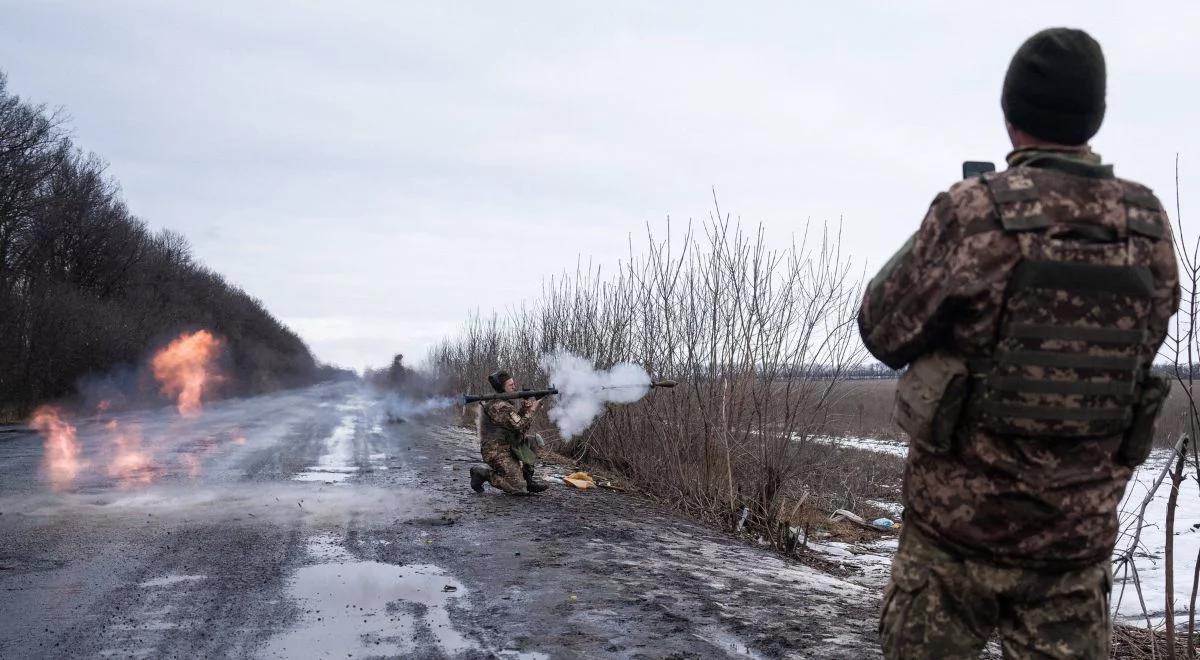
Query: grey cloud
pixel 366 163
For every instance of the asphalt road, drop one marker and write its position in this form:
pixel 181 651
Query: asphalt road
pixel 305 525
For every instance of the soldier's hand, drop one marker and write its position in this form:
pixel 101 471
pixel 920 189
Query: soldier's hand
pixel 532 404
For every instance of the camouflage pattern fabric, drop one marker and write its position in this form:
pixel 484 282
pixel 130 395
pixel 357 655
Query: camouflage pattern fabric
pixel 1031 501
pixel 942 606
pixel 502 426
pixel 507 473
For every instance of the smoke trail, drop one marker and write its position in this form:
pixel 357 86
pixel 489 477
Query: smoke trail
pixel 581 393
pixel 400 407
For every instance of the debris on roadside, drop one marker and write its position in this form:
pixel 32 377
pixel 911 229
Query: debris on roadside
pixel 878 525
pixel 580 480
pixel 842 514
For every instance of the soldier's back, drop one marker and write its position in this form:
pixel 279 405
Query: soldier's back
pixel 1076 285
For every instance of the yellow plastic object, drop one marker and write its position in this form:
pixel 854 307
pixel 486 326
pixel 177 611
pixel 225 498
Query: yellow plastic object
pixel 580 480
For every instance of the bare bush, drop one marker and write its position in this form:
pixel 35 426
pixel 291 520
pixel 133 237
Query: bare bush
pixel 1178 424
pixel 760 339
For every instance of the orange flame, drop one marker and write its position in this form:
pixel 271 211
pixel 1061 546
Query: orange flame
pixel 60 454
pixel 185 370
pixel 130 466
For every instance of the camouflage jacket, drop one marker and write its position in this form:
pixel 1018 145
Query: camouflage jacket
pixel 1020 500
pixel 506 422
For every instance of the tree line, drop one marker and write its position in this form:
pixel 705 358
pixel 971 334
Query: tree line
pixel 86 286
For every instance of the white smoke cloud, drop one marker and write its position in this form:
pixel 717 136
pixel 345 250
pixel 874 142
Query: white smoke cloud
pixel 581 389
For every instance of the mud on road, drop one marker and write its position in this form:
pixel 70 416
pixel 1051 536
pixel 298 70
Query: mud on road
pixel 313 528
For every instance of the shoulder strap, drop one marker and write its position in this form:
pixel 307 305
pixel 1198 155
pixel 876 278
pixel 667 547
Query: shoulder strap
pixel 1144 213
pixel 1017 201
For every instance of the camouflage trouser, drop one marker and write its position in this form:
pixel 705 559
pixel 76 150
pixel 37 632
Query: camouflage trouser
pixel 507 473
pixel 938 605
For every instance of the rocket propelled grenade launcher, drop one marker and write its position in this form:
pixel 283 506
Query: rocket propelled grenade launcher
pixel 508 396
pixel 539 394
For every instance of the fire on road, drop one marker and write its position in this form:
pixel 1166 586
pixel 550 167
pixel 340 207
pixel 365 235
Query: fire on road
pixel 301 524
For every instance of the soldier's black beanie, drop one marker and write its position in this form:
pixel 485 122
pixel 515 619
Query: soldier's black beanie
pixel 498 379
pixel 1055 85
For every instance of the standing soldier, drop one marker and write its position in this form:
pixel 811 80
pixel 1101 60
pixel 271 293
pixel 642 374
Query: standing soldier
pixel 1028 308
pixel 502 427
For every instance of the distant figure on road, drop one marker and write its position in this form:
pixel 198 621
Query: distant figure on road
pixel 502 427
pixel 1028 308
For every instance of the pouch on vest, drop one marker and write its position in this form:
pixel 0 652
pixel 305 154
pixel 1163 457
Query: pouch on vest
pixel 929 400
pixel 524 453
pixel 1139 438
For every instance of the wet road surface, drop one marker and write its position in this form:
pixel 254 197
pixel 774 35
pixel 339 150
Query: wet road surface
pixel 304 525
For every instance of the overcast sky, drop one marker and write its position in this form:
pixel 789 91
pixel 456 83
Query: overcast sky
pixel 375 170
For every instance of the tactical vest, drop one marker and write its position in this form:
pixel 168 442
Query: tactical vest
pixel 490 431
pixel 1068 356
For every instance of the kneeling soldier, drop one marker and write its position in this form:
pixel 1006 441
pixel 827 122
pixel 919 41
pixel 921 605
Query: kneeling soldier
pixel 502 442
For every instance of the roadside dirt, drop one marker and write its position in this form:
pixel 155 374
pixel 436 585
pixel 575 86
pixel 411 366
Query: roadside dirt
pixel 600 573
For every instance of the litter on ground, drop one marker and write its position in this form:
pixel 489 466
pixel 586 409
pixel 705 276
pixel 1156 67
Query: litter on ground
pixel 580 480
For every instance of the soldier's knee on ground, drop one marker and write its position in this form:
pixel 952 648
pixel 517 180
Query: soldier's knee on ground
pixel 509 479
pixel 505 470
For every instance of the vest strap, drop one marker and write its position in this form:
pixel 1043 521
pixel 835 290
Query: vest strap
pixel 1068 276
pixel 1045 413
pixel 1146 228
pixel 1075 333
pixel 1018 202
pixel 1117 388
pixel 1067 360
pixel 1138 205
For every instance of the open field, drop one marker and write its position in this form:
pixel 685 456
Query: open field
pixel 863 409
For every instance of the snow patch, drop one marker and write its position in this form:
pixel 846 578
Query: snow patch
pixel 337 464
pixel 168 580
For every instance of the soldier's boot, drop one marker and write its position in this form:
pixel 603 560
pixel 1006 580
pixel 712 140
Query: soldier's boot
pixel 479 477
pixel 532 484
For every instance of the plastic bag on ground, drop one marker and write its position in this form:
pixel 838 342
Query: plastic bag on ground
pixel 580 480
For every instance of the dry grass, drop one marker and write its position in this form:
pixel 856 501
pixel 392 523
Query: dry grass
pixel 863 409
pixel 1129 642
pixel 1175 418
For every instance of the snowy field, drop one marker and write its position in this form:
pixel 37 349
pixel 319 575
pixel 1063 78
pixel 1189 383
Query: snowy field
pixel 883 446
pixel 1150 557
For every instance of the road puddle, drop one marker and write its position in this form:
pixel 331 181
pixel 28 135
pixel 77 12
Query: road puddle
pixel 358 608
